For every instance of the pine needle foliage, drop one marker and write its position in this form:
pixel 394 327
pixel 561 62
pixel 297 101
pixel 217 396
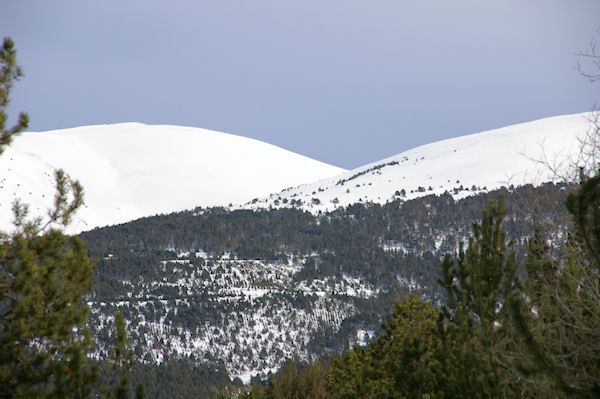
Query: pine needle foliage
pixel 9 73
pixel 44 275
pixel 477 283
pixel 557 317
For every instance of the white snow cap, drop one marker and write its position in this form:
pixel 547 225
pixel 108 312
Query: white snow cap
pixel 518 154
pixel 131 170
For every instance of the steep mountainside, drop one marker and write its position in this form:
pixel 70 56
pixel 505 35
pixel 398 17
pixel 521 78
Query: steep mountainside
pixel 131 170
pixel 527 153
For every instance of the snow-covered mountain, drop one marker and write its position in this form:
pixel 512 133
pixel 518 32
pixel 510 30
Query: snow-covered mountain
pixel 534 152
pixel 131 170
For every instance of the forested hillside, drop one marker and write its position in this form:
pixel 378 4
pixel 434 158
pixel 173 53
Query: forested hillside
pixel 249 289
pixel 509 326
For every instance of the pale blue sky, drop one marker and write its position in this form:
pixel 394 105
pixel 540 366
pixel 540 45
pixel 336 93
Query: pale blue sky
pixel 344 81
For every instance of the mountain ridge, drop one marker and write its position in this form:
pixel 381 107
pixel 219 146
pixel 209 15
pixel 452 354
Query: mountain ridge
pixel 533 152
pixel 132 170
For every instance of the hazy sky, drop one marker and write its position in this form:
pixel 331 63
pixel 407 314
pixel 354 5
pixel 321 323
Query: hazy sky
pixel 344 81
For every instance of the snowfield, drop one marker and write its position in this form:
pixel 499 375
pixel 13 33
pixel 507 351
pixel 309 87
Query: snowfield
pixel 132 170
pixel 534 152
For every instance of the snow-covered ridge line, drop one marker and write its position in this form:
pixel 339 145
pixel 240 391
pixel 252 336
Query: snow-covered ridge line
pixel 132 170
pixel 460 166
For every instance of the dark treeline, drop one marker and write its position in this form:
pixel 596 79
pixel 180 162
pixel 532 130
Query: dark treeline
pixel 351 240
pixel 179 378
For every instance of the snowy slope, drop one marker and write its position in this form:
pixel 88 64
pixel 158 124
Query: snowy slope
pixel 483 161
pixel 132 170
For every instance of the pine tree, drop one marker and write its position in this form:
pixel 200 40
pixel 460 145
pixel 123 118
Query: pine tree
pixel 44 275
pixel 406 361
pixel 477 285
pixel 346 375
pixel 9 72
pixel 557 318
pixel 43 280
pixel 414 357
pixel 118 367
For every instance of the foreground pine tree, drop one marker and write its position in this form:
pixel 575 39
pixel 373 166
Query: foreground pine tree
pixel 44 275
pixel 557 317
pixel 477 283
pixel 9 72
